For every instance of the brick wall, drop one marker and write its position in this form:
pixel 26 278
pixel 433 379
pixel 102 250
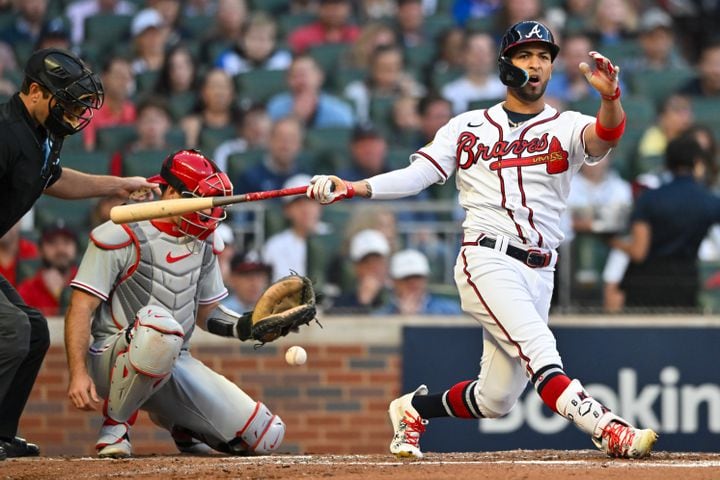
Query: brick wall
pixel 335 403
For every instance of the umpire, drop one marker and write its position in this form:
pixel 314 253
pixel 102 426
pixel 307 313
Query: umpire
pixel 57 98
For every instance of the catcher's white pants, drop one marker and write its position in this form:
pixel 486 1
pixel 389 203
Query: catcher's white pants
pixel 194 397
pixel 511 301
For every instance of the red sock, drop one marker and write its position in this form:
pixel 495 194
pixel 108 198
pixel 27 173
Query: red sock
pixel 552 389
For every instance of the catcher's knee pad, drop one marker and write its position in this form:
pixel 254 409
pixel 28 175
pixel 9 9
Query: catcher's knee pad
pixel 138 372
pixel 263 432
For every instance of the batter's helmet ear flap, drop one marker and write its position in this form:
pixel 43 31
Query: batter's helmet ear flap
pixel 510 75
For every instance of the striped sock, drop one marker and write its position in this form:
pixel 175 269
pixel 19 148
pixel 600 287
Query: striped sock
pixel 460 400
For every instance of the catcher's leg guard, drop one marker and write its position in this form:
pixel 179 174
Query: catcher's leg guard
pixel 262 433
pixel 144 367
pixel 610 433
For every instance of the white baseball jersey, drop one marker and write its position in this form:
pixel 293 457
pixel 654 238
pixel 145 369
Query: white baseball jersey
pixel 512 181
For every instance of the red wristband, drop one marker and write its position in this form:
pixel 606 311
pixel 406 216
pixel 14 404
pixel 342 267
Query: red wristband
pixel 610 134
pixel 350 190
pixel 614 96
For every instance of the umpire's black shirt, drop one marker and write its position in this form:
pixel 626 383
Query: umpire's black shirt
pixel 24 173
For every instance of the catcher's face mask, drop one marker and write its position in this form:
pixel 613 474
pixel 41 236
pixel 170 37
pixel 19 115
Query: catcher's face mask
pixel 194 175
pixel 75 90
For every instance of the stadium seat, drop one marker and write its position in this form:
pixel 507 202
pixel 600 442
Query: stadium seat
pixel 419 57
pixel 111 139
pixel 706 112
pixel 182 104
pixel 439 78
pixel 239 162
pixel 328 146
pixel 107 30
pixel 270 6
pixel 75 213
pixel 381 111
pixel 258 86
pixel 89 162
pixel 197 25
pixel 145 82
pixel 480 104
pixel 399 157
pixel 436 24
pixel 144 164
pixel 288 23
pixel 72 144
pixel 211 138
pixel 658 85
pixel 328 55
pixel 621 50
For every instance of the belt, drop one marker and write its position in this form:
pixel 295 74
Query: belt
pixel 532 257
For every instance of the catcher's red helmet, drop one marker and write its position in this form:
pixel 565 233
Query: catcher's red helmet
pixel 522 32
pixel 194 175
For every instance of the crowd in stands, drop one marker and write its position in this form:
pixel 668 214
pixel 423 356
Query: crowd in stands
pixel 273 90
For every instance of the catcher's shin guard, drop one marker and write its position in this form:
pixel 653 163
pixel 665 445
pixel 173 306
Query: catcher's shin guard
pixel 144 367
pixel 262 433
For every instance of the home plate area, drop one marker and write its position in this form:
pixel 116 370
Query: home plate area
pixel 515 464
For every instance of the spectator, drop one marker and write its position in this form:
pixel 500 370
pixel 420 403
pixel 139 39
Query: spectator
pixel 667 226
pixel 332 26
pixel 513 11
pixel 569 84
pixel 256 49
pixel 199 8
pixel 386 80
pixel 253 134
pixel 249 277
pixel 226 234
pixel 170 11
pixel 368 151
pixel 78 11
pixel 480 80
pixel 409 270
pixel 54 35
pixel 465 10
pixel 152 126
pixel 27 25
pixel 434 111
pixel 657 41
pixel 49 290
pixel 288 251
pixel 451 54
pixel 372 36
pixel 227 28
pixel 305 99
pixel 118 109
pixel 100 213
pixel 410 24
pixel 150 34
pixel 280 162
pixel 674 117
pixel 177 80
pixel 405 122
pixel 18 256
pixel 614 21
pixel 216 112
pixel 369 253
pixel 707 82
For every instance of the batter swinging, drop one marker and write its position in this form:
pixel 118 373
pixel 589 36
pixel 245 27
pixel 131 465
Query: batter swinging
pixel 513 164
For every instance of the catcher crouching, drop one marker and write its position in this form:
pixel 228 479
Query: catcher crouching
pixel 140 291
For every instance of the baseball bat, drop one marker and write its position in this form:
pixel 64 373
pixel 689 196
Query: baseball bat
pixel 136 212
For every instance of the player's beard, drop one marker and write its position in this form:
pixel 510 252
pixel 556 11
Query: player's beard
pixel 529 94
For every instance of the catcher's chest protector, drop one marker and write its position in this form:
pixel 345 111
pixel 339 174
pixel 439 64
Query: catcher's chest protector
pixel 167 274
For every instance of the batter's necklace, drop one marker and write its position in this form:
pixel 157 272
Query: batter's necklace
pixel 516 119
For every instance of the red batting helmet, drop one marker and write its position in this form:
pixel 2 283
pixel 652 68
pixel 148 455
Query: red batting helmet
pixel 194 175
pixel 520 33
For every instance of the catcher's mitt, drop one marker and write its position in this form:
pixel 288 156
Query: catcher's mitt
pixel 285 306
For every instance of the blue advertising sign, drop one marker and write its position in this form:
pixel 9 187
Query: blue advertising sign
pixel 659 378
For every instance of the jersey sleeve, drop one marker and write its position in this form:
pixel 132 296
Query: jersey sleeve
pixel 211 288
pixel 441 151
pixel 100 269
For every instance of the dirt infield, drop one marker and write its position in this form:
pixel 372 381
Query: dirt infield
pixel 509 465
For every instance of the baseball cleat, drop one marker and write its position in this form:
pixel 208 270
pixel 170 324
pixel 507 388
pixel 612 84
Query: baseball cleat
pixel 186 443
pixel 407 424
pixel 619 440
pixel 113 441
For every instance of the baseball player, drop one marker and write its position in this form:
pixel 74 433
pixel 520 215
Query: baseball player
pixel 513 164
pixel 140 290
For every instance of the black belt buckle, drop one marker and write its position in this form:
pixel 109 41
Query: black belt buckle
pixel 537 259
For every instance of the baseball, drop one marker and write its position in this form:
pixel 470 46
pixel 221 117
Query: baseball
pixel 296 355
